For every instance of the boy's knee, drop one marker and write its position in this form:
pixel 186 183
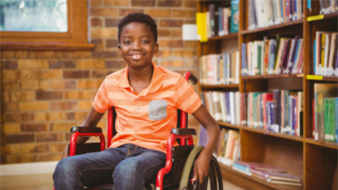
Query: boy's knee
pixel 127 171
pixel 65 167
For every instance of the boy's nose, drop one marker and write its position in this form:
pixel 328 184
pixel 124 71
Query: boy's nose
pixel 136 45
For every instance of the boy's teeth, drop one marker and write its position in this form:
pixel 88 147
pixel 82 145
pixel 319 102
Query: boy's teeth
pixel 136 56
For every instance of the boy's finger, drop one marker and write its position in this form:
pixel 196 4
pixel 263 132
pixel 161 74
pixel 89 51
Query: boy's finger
pixel 201 177
pixel 194 174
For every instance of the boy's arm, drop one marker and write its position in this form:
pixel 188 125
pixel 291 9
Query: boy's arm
pixel 201 166
pixel 92 120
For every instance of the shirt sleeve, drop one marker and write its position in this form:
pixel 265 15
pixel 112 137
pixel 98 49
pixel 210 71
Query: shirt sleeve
pixel 186 99
pixel 101 101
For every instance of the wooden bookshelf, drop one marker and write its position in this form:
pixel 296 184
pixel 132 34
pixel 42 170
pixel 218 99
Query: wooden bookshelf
pixel 273 27
pixel 224 37
pixel 315 162
pixel 219 86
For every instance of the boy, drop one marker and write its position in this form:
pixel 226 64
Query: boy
pixel 146 98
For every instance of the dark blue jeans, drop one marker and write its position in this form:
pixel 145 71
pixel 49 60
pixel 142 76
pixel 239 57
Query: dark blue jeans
pixel 129 166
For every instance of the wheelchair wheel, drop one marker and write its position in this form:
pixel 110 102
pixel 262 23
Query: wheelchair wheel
pixel 213 181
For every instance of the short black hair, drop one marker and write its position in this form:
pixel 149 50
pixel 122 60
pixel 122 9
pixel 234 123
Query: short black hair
pixel 138 17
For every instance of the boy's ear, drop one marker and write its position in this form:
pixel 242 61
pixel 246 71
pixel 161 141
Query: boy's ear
pixel 156 48
pixel 119 46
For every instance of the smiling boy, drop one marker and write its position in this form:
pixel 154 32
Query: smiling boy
pixel 146 98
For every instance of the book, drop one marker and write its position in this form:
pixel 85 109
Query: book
pixel 329 119
pixel 321 91
pixel 201 20
pixel 234 16
pixel 261 166
pixel 267 175
pixel 336 118
pixel 241 168
pixel 229 150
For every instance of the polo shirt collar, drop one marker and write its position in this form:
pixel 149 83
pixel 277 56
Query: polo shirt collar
pixel 155 84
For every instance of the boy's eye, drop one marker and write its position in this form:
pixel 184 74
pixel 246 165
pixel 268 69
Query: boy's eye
pixel 145 41
pixel 127 42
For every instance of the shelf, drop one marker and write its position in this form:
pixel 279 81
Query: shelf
pixel 213 1
pixel 323 144
pixel 278 26
pixel 237 173
pixel 224 37
pixel 321 78
pixel 219 85
pixel 228 125
pixel 322 17
pixel 262 131
pixel 273 76
pixel 270 133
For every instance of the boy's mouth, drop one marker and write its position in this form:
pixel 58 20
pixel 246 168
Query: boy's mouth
pixel 136 57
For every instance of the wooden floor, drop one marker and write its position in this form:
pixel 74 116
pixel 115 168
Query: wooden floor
pixel 45 182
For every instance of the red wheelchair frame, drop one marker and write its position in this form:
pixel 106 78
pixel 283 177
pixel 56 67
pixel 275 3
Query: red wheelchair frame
pixel 170 143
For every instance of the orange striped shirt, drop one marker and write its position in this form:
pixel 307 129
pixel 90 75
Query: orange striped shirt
pixel 146 119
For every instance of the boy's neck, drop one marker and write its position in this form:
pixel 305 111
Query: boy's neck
pixel 140 79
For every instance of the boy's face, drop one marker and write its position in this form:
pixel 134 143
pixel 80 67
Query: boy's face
pixel 137 45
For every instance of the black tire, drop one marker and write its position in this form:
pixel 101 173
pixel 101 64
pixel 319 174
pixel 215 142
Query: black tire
pixel 214 177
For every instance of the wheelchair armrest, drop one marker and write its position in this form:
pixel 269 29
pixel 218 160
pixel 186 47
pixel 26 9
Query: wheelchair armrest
pixel 85 129
pixel 179 131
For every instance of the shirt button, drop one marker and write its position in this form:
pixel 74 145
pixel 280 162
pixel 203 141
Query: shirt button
pixel 137 107
pixel 137 98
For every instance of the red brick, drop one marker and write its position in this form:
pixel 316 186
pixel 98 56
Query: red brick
pixel 7 54
pixel 74 95
pixel 48 95
pixel 184 53
pixel 21 54
pixel 176 33
pixel 116 3
pixel 171 43
pixel 172 63
pixel 112 22
pixel 11 159
pixel 163 33
pixel 99 11
pixel 75 74
pixel 171 23
pixel 49 157
pixel 11 107
pixel 65 127
pixel 10 85
pixel 34 85
pixel 10 128
pixel 190 21
pixel 190 44
pixel 19 117
pixel 169 3
pixel 158 12
pixel 192 4
pixel 186 13
pixel 49 74
pixel 12 64
pixel 34 106
pixel 49 137
pixel 95 2
pixel 100 73
pixel 163 53
pixel 37 127
pixel 63 105
pixel 191 63
pixel 115 64
pixel 77 54
pixel 41 54
pixel 60 64
pixel 62 85
pixel 143 3
pixel 34 148
pixel 20 138
pixel 112 43
pixel 10 75
pixel 95 22
pixel 89 84
pixel 98 43
pixel 105 54
pixel 10 149
pixel 60 147
pixel 125 12
pixel 76 115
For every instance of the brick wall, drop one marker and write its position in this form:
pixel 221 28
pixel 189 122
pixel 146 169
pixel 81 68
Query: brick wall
pixel 44 93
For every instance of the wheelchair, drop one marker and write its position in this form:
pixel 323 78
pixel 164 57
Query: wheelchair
pixel 178 170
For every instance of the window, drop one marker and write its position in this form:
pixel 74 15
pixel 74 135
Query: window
pixel 44 24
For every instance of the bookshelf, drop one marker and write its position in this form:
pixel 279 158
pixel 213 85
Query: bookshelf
pixel 314 161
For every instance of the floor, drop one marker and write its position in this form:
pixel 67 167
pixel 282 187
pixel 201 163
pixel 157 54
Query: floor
pixel 45 182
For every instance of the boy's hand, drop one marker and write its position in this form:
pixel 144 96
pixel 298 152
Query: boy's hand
pixel 201 167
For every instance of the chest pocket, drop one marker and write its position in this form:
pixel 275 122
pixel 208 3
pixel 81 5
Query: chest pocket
pixel 157 110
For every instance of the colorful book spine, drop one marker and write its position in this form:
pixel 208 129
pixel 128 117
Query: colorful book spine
pixel 336 118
